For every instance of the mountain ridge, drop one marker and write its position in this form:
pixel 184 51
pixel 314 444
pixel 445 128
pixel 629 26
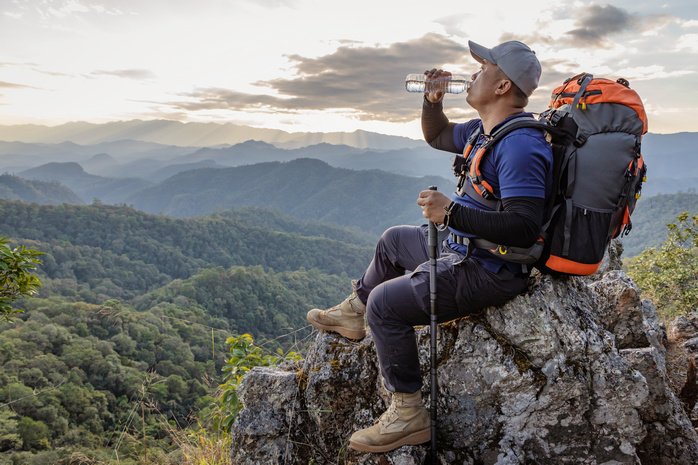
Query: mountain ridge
pixel 86 186
pixel 305 188
pixel 170 132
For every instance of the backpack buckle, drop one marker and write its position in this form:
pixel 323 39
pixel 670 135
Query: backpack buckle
pixel 487 195
pixel 460 165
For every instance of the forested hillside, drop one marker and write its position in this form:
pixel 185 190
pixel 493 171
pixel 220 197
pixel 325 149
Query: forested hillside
pixel 325 200
pixel 86 381
pixel 306 189
pixel 85 185
pixel 47 193
pixel 127 336
pixel 120 252
pixel 651 216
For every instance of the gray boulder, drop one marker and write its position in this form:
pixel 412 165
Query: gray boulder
pixel 571 372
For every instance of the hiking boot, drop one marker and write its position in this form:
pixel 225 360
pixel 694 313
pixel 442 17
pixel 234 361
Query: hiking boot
pixel 406 423
pixel 346 318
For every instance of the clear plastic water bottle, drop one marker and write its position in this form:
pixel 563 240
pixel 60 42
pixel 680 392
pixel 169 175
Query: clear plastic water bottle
pixel 448 84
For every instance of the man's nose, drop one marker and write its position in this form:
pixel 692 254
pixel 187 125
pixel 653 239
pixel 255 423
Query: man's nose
pixel 474 76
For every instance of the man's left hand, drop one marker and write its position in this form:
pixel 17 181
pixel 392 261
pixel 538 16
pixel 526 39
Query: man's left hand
pixel 434 205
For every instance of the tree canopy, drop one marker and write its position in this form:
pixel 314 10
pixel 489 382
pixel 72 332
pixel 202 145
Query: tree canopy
pixel 17 278
pixel 668 274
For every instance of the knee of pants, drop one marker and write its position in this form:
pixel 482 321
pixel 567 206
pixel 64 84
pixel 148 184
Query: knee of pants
pixel 375 312
pixel 388 238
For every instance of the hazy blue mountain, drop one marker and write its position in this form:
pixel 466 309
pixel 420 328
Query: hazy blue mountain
pixel 655 185
pixel 97 159
pixel 46 193
pixel 101 161
pixel 146 168
pixel 170 170
pixel 671 155
pixel 85 185
pixel 418 161
pixel 192 134
pixel 307 189
pixel 18 156
pixel 651 216
pixel 144 148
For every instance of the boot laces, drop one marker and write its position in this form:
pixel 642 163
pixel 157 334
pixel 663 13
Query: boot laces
pixel 337 309
pixel 390 415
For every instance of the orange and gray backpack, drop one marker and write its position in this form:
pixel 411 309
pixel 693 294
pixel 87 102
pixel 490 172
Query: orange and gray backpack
pixel 595 127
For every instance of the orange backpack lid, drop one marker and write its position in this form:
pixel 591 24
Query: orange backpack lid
pixel 600 91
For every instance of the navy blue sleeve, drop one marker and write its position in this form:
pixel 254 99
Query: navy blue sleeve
pixel 524 163
pixel 462 131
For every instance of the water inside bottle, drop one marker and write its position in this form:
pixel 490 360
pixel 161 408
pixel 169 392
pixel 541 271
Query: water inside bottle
pixel 446 84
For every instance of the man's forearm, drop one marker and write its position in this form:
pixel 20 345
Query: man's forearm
pixel 437 130
pixel 518 225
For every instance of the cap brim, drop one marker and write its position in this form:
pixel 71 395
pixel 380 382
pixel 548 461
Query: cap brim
pixel 480 53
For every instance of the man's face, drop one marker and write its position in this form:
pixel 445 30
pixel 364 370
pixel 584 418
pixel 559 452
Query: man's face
pixel 485 82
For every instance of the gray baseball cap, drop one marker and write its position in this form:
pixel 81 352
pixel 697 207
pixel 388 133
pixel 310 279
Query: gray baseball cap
pixel 515 58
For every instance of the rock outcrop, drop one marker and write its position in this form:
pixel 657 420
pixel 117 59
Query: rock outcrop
pixel 572 372
pixel 682 347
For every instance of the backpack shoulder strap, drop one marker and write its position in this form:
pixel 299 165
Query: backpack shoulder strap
pixel 475 186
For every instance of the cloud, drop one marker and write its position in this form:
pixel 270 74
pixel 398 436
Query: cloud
pixel 127 73
pixel 212 98
pixel 65 8
pixel 688 42
pixel 455 24
pixel 643 73
pixel 53 73
pixel 271 4
pixel 364 81
pixel 592 26
pixel 17 64
pixel 597 22
pixel 11 85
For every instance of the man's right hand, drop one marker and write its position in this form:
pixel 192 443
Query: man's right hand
pixel 436 96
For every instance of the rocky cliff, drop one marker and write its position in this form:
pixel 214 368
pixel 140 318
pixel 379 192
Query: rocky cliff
pixel 571 372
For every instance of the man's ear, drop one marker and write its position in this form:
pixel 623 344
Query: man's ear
pixel 503 87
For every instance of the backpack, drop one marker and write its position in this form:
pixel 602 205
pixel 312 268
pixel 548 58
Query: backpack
pixel 595 127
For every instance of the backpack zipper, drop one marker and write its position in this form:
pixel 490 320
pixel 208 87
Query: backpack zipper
pixel 584 95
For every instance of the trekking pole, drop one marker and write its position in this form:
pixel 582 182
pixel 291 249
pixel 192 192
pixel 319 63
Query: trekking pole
pixel 433 239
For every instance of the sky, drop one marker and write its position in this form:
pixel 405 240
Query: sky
pixel 323 65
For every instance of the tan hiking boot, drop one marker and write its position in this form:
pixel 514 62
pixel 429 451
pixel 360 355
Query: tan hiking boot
pixel 406 423
pixel 346 318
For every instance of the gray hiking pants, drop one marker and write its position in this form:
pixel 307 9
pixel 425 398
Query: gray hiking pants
pixel 396 302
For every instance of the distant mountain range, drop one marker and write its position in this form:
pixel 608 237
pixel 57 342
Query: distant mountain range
pixel 308 189
pixel 368 181
pixel 87 186
pixel 154 151
pixel 167 132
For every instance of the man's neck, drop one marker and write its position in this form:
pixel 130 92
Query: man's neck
pixel 495 116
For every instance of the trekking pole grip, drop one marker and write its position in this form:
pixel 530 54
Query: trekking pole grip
pixel 432 228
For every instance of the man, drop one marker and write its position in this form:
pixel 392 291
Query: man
pixel 519 169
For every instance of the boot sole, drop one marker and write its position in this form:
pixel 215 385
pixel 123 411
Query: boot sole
pixel 418 437
pixel 346 332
